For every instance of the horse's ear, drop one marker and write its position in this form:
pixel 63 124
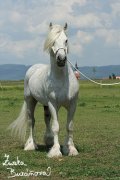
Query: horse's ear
pixel 66 26
pixel 50 25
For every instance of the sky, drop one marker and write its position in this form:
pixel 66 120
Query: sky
pixel 93 30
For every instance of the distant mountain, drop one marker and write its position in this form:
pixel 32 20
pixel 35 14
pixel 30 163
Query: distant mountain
pixel 100 72
pixel 12 71
pixel 17 72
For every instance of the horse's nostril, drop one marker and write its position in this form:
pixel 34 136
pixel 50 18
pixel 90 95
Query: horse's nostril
pixel 59 59
pixel 65 58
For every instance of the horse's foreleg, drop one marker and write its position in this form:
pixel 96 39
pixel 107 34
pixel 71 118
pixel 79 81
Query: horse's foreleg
pixel 30 144
pixel 55 150
pixel 48 138
pixel 69 147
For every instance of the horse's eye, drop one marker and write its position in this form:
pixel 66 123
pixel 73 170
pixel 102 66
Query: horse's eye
pixel 66 41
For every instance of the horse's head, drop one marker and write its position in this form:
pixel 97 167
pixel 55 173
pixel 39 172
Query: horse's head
pixel 57 42
pixel 60 47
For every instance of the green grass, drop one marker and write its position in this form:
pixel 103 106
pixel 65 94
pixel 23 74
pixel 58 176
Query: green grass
pixel 96 135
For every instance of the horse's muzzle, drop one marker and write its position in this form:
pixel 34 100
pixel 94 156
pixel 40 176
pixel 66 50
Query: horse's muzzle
pixel 61 61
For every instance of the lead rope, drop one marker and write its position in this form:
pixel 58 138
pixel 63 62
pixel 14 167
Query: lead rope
pixel 95 82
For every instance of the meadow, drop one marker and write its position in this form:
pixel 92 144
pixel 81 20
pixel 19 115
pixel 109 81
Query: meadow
pixel 96 135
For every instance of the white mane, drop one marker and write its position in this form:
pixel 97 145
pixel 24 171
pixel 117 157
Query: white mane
pixel 53 34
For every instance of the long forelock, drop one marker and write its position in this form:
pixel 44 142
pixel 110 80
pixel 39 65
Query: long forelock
pixel 53 34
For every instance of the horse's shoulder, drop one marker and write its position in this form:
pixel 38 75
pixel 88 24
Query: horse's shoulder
pixel 35 68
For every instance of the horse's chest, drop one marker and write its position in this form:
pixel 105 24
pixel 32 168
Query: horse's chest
pixel 58 91
pixel 61 92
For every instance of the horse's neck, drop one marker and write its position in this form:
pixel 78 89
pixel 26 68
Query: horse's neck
pixel 58 72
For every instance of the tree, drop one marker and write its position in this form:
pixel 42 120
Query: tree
pixel 113 76
pixel 110 77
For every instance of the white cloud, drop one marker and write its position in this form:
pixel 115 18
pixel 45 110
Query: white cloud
pixel 106 20
pixel 34 21
pixel 79 41
pixel 84 38
pixel 16 17
pixel 18 48
pixel 110 36
pixel 70 3
pixel 89 20
pixel 25 23
pixel 62 11
pixel 38 29
pixel 115 8
pixel 76 48
pixel 3 40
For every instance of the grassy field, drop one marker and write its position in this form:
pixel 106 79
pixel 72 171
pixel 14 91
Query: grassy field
pixel 96 135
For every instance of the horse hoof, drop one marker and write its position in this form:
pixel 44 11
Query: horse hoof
pixel 54 152
pixel 73 151
pixel 30 146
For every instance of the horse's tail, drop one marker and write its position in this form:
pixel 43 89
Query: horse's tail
pixel 19 126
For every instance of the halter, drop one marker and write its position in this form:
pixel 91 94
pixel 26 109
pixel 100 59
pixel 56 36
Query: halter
pixel 59 49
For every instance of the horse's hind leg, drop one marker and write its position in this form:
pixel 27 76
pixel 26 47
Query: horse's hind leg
pixel 48 138
pixel 31 103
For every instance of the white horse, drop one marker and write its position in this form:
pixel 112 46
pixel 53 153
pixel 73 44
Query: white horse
pixel 53 85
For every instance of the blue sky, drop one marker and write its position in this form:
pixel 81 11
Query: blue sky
pixel 93 30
